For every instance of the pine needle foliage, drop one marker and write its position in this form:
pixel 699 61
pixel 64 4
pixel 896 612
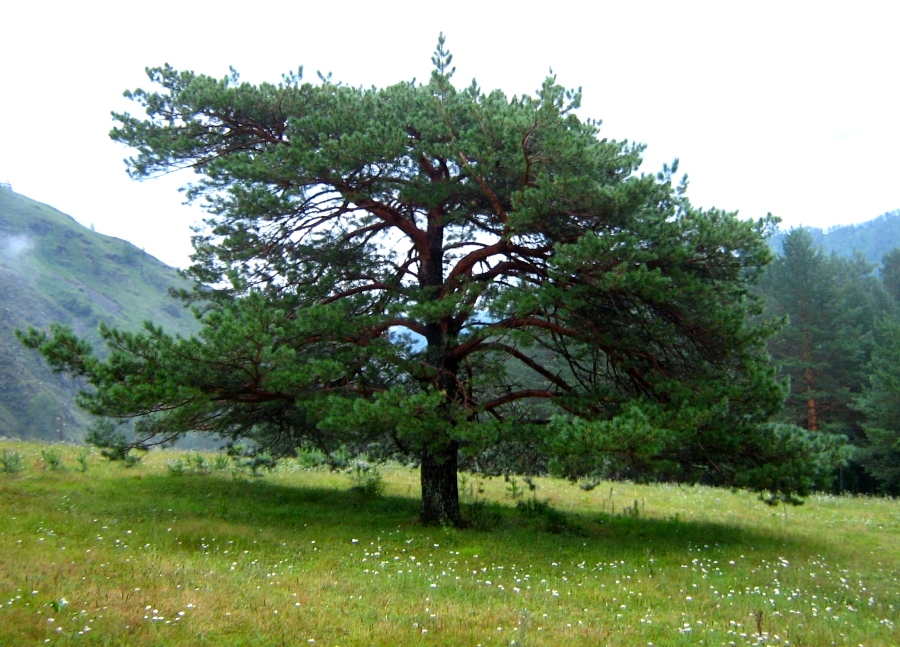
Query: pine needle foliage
pixel 450 275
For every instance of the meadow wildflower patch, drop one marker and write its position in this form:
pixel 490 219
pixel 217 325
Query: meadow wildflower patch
pixel 296 556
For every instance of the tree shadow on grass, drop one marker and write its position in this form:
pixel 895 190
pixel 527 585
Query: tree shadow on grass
pixel 253 502
pixel 264 506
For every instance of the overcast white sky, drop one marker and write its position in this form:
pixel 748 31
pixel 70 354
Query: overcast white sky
pixel 782 107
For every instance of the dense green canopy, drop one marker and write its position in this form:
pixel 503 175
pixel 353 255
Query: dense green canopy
pixel 451 275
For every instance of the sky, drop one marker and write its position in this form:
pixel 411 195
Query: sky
pixel 789 108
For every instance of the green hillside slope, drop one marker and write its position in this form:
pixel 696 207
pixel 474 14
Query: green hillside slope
pixel 54 269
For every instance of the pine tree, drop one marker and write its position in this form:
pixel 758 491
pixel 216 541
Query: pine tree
pixel 449 275
pixel 890 273
pixel 802 284
pixel 880 403
pixel 832 306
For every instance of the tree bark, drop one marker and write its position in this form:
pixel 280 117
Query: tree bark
pixel 812 415
pixel 440 491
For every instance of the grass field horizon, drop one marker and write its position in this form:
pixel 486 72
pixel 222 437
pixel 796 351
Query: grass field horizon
pixel 148 556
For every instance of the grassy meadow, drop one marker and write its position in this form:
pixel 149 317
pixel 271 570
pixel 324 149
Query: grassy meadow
pixel 145 556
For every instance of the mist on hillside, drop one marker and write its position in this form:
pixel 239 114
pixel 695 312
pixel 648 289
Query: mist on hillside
pixel 14 247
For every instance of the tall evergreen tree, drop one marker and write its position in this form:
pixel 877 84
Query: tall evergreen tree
pixel 382 257
pixel 890 273
pixel 863 302
pixel 880 403
pixel 801 284
pixel 832 305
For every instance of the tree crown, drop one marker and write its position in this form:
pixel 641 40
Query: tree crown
pixel 446 268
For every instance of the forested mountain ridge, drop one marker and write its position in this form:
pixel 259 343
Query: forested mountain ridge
pixel 874 238
pixel 54 269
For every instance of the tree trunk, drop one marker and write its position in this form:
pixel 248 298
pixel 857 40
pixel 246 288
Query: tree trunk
pixel 440 491
pixel 812 416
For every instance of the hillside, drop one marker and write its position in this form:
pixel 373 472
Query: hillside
pixel 54 269
pixel 873 238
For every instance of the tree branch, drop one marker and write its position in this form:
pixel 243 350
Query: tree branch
pixel 518 395
pixel 530 363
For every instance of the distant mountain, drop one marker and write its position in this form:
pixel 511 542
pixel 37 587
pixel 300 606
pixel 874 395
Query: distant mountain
pixel 54 269
pixel 873 238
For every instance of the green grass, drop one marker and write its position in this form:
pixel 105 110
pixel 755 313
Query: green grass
pixel 139 556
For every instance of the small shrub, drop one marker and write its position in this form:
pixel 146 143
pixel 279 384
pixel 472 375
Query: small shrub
pixel 310 459
pixel 513 488
pixel 367 480
pixel 82 459
pixel 549 519
pixel 10 463
pixel 254 463
pixel 176 467
pixel 465 489
pixel 52 459
pixel 220 462
pixel 373 487
pixel 198 464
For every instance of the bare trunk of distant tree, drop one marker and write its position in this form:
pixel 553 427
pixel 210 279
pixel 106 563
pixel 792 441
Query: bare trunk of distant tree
pixel 812 416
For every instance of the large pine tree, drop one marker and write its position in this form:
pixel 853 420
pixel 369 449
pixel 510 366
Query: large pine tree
pixel 447 272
